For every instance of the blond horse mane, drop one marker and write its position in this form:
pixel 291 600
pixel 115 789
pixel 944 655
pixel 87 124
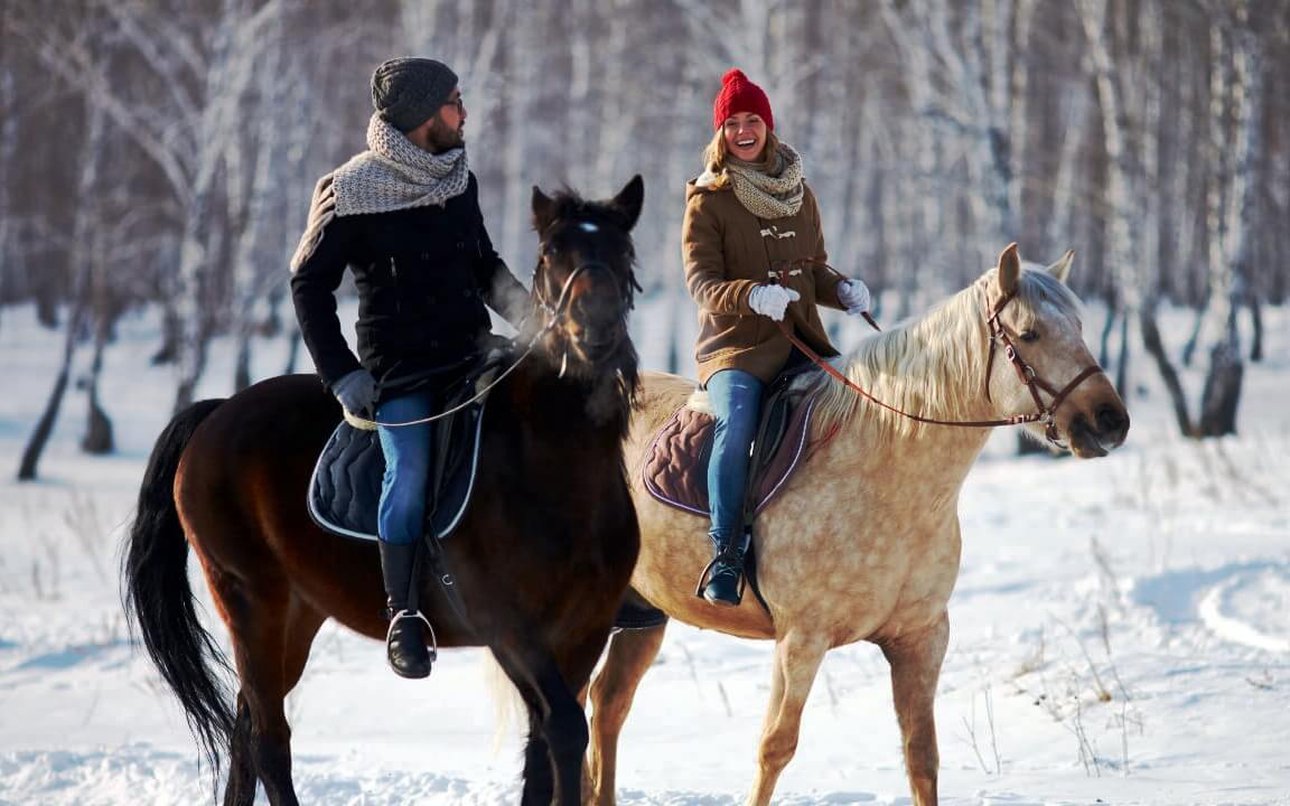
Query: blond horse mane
pixel 934 365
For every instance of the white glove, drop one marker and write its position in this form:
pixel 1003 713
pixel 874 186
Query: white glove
pixel 772 300
pixel 854 296
pixel 355 390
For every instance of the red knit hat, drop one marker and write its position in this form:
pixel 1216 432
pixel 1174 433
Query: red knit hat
pixel 738 94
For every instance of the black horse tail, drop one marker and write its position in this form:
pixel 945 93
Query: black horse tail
pixel 159 601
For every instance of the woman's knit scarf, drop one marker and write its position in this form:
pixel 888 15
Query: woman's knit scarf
pixel 393 174
pixel 776 194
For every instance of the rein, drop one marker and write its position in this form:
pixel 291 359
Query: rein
pixel 807 261
pixel 1025 373
pixel 553 314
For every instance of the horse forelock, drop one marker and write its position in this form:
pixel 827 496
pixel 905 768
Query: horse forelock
pixel 1039 289
pixel 599 223
pixel 572 213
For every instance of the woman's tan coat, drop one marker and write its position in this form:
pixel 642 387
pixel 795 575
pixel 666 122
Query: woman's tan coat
pixel 727 252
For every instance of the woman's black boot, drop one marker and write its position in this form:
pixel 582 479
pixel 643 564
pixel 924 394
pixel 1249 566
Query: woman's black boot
pixel 405 642
pixel 725 573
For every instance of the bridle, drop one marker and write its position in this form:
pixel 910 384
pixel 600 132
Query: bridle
pixel 554 312
pixel 1045 414
pixel 1027 375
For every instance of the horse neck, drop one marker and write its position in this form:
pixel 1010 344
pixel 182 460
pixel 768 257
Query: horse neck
pixel 933 366
pixel 570 407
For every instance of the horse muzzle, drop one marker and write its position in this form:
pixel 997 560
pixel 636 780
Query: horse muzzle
pixel 597 344
pixel 1096 435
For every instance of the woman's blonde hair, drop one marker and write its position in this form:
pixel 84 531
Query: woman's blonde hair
pixel 716 153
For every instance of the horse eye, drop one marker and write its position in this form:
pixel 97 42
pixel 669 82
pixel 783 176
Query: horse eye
pixel 1028 335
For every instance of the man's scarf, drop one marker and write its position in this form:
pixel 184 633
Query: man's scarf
pixel 393 174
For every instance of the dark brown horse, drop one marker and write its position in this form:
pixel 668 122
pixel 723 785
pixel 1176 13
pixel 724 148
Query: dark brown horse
pixel 541 558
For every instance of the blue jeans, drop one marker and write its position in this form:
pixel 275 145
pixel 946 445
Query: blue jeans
pixel 735 397
pixel 401 514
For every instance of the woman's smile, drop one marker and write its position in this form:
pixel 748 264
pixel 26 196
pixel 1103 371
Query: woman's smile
pixel 745 134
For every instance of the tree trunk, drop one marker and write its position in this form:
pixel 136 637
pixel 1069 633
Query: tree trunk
pixel 293 350
pixel 1256 325
pixel 242 368
pixel 98 427
pixel 1104 341
pixel 1155 348
pixel 1122 363
pixel 82 261
pixel 45 425
pixel 171 332
pixel 1193 336
pixel 1230 212
pixel 1121 191
pixel 1222 395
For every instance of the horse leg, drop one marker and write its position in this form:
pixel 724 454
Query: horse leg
pixel 797 659
pixel 915 666
pixel 557 724
pixel 538 776
pixel 271 633
pixel 302 623
pixel 239 790
pixel 630 654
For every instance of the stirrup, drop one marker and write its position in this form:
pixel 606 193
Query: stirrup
pixel 729 556
pixel 432 651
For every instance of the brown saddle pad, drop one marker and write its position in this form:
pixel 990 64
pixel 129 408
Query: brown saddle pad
pixel 675 470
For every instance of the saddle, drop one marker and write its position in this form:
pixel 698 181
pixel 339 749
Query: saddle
pixel 345 488
pixel 675 469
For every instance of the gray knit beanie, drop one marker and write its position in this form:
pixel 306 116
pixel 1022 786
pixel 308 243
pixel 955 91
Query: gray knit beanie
pixel 408 91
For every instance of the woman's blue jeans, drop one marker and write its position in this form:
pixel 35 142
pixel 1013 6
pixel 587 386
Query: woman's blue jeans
pixel 401 514
pixel 735 397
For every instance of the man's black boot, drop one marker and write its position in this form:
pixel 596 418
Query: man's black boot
pixel 405 641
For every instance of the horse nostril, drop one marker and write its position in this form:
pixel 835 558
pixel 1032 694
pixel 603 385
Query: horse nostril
pixel 1111 419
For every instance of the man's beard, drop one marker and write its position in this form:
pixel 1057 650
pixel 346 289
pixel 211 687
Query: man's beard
pixel 441 138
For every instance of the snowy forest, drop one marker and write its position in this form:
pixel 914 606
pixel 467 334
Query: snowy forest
pixel 162 153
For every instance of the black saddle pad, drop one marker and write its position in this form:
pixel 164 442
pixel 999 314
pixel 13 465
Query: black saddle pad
pixel 346 485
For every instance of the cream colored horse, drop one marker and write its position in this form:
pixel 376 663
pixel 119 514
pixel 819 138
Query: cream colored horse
pixel 863 544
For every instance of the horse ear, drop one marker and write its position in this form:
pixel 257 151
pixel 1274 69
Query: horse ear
pixel 543 209
pixel 1062 268
pixel 1009 270
pixel 629 201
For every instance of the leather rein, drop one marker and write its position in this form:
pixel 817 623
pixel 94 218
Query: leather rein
pixel 998 335
pixel 553 315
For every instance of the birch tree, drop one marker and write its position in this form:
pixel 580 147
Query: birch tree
pixel 84 254
pixel 1236 108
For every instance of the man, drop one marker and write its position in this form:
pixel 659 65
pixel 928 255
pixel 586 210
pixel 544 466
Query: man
pixel 404 216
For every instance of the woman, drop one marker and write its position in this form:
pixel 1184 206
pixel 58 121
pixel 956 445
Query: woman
pixel 754 260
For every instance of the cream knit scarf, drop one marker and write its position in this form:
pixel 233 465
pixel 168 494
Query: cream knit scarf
pixel 393 174
pixel 777 194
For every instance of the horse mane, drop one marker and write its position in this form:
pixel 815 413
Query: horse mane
pixel 933 365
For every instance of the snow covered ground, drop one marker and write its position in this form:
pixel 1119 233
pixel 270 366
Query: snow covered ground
pixel 1121 634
